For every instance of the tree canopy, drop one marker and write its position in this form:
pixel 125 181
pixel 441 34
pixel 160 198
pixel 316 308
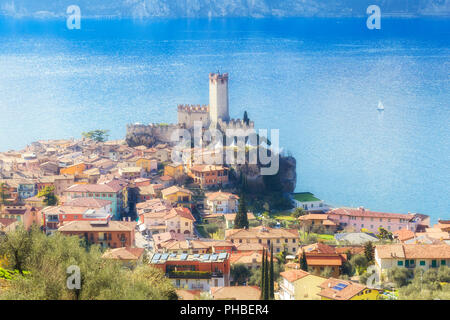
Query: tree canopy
pixel 42 263
pixel 96 135
pixel 48 193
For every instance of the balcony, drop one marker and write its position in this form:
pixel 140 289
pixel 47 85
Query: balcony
pixel 194 275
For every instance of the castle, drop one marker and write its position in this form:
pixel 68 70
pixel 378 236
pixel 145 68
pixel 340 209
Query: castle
pixel 215 115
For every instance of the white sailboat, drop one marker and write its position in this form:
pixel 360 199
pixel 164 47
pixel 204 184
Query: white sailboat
pixel 380 106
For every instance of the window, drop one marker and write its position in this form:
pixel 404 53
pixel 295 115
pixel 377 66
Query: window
pixel 422 263
pixel 400 263
pixel 442 262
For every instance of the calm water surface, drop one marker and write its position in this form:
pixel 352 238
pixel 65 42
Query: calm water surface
pixel 317 80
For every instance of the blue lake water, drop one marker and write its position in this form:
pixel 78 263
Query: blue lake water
pixel 317 80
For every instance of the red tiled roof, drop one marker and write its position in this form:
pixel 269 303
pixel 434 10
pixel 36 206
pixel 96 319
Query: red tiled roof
pixel 87 202
pixel 404 234
pixel 361 212
pixel 413 251
pixel 350 290
pixel 293 275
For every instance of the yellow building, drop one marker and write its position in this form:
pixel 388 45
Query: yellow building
pixel 74 169
pixel 337 289
pixel 147 164
pixel 173 170
pixel 299 285
pixel 175 194
pixel 280 238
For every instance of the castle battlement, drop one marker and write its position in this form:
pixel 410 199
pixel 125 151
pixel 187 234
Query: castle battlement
pixel 235 124
pixel 193 108
pixel 218 76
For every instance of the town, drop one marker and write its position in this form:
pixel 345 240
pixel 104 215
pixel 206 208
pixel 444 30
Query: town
pixel 208 231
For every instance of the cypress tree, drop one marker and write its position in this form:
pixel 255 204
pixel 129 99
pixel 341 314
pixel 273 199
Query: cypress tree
pixel 262 275
pixel 266 276
pixel 303 262
pixel 241 219
pixel 271 279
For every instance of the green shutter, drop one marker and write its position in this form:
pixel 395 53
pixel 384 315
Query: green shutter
pixel 400 263
pixel 422 263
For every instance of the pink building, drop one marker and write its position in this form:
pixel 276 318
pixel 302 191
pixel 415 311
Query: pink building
pixel 361 218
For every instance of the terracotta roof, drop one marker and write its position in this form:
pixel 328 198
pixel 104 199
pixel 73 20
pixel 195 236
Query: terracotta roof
pixel 313 216
pixel 174 189
pixel 318 248
pixel 207 168
pixel 404 234
pixel 93 188
pixel 350 290
pixel 232 216
pixel 80 226
pixel 353 250
pixel 261 233
pixel 223 196
pixel 236 293
pixel 182 212
pixel 361 212
pixel 146 190
pixel 88 202
pixel 294 275
pixel 174 244
pixel 165 178
pixel 413 251
pixel 124 253
pixel 323 260
pixel 247 257
pixel 4 222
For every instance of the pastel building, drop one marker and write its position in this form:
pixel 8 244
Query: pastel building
pixel 222 202
pixel 113 192
pixel 194 271
pixel 79 209
pixel 361 218
pixel 411 256
pixel 299 285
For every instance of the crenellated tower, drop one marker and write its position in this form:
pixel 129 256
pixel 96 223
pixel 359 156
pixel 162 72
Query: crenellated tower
pixel 218 98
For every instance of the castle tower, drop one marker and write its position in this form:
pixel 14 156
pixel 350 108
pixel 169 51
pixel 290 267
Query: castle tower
pixel 218 98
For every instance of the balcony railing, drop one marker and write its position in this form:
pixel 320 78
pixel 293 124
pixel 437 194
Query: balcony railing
pixel 193 275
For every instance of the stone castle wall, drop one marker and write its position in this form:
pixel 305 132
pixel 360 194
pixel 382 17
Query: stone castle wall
pixel 150 134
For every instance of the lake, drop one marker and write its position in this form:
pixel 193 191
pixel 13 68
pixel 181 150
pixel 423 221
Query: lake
pixel 317 80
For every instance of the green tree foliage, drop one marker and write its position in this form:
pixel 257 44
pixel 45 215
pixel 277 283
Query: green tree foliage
pixel 3 194
pixel 383 234
pixel 47 260
pixel 359 263
pixel 16 247
pixel 400 276
pixel 298 212
pixel 96 135
pixel 48 193
pixel 369 251
pixel 256 280
pixel 240 273
pixel 241 219
pixel 246 119
pixel 212 228
pixel 303 262
pixel 327 272
pixel 281 256
pixel 267 278
pixel 271 276
pixel 428 285
pixel 262 279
